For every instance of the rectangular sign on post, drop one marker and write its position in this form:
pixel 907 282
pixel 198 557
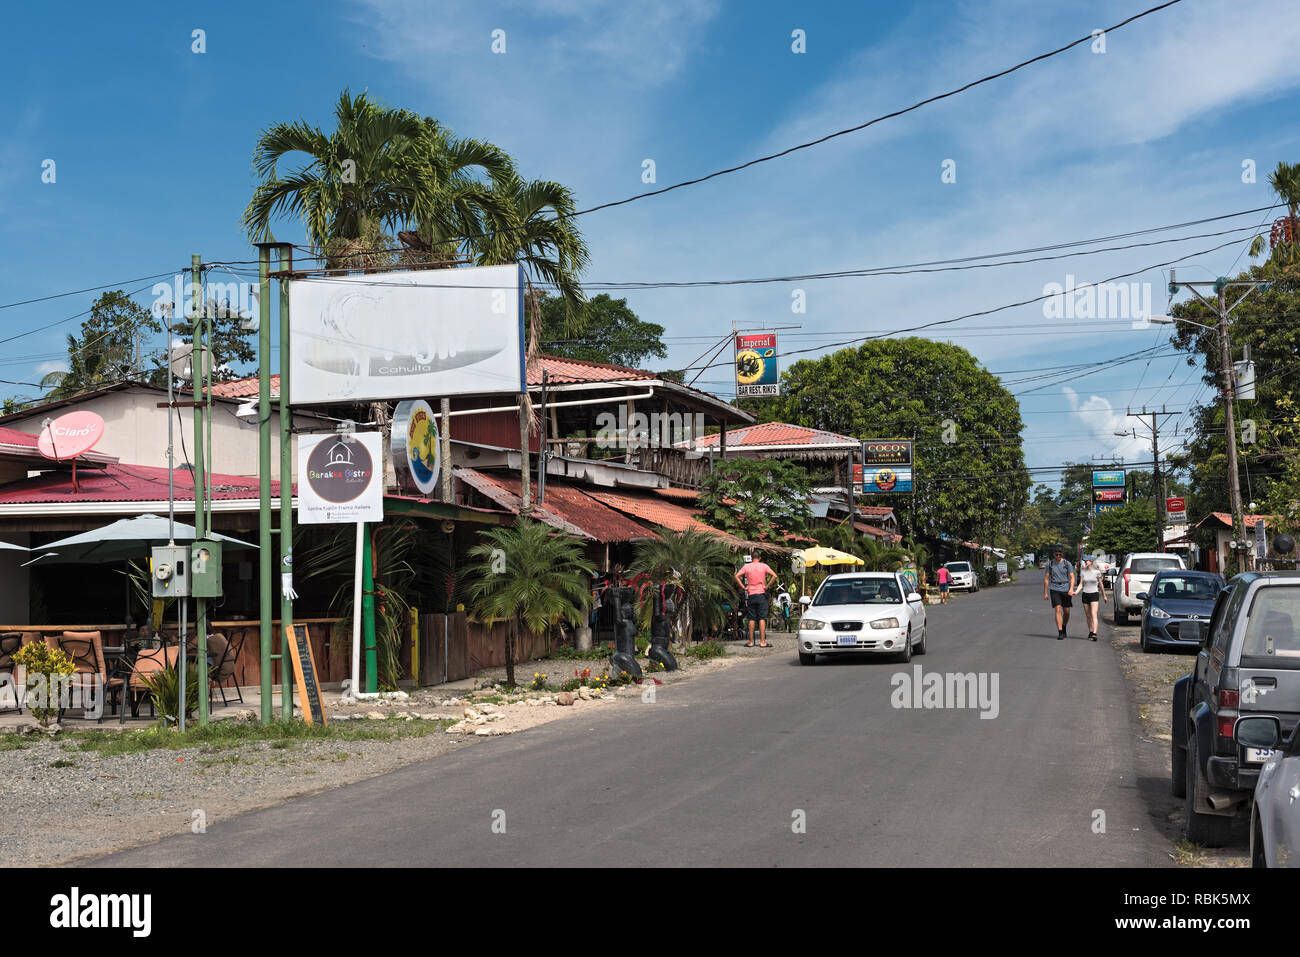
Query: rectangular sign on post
pixel 1109 478
pixel 868 480
pixel 756 366
pixel 878 452
pixel 340 478
pixel 394 335
pixel 1100 507
pixel 1176 511
pixel 1108 495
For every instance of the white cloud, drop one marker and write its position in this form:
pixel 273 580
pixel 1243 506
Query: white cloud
pixel 45 368
pixel 1100 420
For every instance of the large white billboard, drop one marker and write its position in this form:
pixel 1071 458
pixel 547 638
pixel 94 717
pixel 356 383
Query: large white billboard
pixel 427 332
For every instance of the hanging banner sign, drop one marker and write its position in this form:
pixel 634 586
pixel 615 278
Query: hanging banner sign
pixel 415 445
pixel 756 367
pixel 1111 478
pixel 340 478
pixel 878 452
pixel 871 480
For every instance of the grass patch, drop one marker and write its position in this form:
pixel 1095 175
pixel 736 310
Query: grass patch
pixel 221 735
pixel 14 742
pixel 569 653
pixel 63 763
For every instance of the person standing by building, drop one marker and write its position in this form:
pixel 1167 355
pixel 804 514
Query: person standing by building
pixel 943 578
pixel 753 577
pixel 1092 585
pixel 1058 585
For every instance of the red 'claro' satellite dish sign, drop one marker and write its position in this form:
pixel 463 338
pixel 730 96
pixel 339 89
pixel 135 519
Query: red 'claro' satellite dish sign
pixel 70 435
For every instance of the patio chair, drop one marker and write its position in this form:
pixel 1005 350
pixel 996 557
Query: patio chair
pixel 148 662
pixel 225 663
pixel 86 649
pixel 9 643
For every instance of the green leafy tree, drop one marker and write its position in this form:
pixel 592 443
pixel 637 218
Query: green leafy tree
pixel 700 563
pixel 758 500
pixel 611 332
pixel 1130 528
pixel 530 576
pixel 971 481
pixel 111 346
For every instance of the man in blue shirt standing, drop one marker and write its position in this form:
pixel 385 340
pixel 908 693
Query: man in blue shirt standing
pixel 1058 585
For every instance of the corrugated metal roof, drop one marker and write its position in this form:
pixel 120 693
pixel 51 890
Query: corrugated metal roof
pixel 124 483
pixel 567 507
pixel 777 434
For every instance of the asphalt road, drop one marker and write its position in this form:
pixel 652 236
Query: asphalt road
pixel 721 772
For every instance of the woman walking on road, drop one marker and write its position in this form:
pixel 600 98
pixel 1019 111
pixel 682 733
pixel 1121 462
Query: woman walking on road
pixel 1093 587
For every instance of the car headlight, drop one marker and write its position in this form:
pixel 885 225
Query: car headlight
pixel 1159 613
pixel 883 623
pixel 811 624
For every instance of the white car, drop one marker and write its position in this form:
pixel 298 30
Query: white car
pixel 872 612
pixel 963 576
pixel 1135 578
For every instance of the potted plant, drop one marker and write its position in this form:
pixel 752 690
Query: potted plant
pixel 43 669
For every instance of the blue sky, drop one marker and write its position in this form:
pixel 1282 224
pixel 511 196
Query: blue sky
pixel 152 146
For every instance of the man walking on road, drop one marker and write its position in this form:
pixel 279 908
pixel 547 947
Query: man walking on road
pixel 1058 584
pixel 753 578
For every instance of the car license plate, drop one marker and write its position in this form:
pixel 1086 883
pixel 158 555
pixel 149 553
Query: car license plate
pixel 847 639
pixel 1260 755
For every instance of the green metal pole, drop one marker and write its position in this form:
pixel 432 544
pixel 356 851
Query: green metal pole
pixel 368 613
pixel 199 474
pixel 286 485
pixel 264 470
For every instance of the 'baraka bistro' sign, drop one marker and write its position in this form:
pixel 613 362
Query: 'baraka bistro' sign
pixel 340 478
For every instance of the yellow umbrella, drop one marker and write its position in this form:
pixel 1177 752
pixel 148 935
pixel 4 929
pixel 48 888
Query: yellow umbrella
pixel 821 556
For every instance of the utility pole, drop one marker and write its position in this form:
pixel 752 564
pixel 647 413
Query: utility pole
pixel 1221 310
pixel 264 472
pixel 1156 490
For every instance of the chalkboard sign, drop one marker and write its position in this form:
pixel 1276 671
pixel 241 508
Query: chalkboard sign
pixel 304 672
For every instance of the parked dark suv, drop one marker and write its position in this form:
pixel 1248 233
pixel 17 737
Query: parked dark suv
pixel 1248 664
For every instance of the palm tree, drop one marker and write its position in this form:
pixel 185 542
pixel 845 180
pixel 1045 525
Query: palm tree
pixel 381 170
pixel 700 563
pixel 879 556
pixel 533 226
pixel 530 576
pixel 1285 181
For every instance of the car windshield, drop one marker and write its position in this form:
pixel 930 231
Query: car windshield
pixel 1149 566
pixel 958 566
pixel 1271 628
pixel 1187 588
pixel 859 591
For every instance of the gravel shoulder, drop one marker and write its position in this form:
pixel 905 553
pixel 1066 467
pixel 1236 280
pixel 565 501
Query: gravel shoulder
pixel 64 804
pixel 1151 678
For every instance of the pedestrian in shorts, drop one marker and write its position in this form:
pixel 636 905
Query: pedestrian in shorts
pixel 1092 587
pixel 1058 585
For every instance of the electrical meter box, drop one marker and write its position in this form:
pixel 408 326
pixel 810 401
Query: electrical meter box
pixel 171 571
pixel 205 568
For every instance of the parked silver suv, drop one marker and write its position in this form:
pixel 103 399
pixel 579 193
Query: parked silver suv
pixel 1135 578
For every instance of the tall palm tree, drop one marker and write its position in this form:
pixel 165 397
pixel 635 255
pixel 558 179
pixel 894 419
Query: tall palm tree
pixel 1285 181
pixel 530 576
pixel 533 226
pixel 380 171
pixel 700 563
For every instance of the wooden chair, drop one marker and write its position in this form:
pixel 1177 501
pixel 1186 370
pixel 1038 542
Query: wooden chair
pixel 86 649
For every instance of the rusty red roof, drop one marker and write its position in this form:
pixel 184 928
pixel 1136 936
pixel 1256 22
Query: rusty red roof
pixel 777 435
pixel 123 483
pixel 567 507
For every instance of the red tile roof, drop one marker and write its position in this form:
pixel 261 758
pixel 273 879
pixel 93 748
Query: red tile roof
pixel 1250 521
pixel 776 434
pixel 879 511
pixel 123 483
pixel 567 507
pixel 245 388
pixel 561 371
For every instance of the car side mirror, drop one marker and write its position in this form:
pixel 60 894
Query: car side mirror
pixel 1257 731
pixel 913 596
pixel 1144 596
